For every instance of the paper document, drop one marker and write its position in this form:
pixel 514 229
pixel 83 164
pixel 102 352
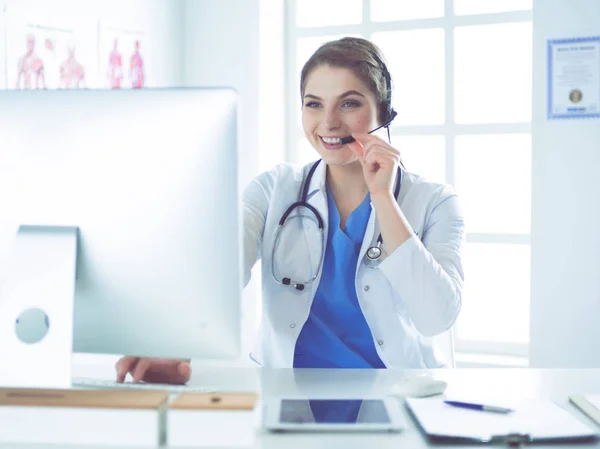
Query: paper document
pixel 540 419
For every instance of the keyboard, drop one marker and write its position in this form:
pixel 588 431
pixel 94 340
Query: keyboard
pixel 85 382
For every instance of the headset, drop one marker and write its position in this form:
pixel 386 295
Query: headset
pixel 390 113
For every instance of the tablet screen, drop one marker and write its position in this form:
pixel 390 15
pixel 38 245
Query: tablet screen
pixel 336 411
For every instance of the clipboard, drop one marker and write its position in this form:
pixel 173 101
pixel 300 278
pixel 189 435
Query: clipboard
pixel 588 404
pixel 533 421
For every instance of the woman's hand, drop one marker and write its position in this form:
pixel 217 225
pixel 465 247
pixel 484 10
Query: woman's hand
pixel 379 161
pixel 144 369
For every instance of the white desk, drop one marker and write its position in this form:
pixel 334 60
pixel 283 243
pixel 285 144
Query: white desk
pixel 517 383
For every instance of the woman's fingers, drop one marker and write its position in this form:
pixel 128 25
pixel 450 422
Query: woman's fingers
pixel 358 150
pixel 154 370
pixel 124 366
pixel 176 372
pixel 139 372
pixel 381 157
pixel 369 140
pixel 385 148
pixel 375 152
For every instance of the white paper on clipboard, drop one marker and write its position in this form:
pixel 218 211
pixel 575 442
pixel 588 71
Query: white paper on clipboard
pixel 539 419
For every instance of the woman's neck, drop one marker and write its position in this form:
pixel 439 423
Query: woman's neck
pixel 347 185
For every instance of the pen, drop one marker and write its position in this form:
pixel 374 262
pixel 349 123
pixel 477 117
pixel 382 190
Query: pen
pixel 481 407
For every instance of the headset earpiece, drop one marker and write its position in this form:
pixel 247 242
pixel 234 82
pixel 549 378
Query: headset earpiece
pixel 390 113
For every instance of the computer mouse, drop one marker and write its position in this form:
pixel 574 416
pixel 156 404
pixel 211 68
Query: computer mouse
pixel 419 386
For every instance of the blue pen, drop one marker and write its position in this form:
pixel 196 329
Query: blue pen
pixel 480 407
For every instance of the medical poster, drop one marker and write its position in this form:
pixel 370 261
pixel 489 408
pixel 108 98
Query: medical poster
pixel 574 78
pixel 123 57
pixel 2 47
pixel 49 53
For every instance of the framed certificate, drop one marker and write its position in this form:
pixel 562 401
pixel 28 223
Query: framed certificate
pixel 2 47
pixel 574 78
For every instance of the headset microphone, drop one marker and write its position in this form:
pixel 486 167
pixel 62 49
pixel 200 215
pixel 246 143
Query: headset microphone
pixel 350 139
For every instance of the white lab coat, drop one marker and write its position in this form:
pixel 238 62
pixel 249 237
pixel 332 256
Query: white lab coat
pixel 414 294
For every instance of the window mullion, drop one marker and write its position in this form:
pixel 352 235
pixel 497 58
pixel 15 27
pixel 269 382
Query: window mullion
pixel 366 18
pixel 494 128
pixel 497 238
pixel 291 41
pixel 449 92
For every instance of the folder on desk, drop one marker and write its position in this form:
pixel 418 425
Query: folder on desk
pixel 535 420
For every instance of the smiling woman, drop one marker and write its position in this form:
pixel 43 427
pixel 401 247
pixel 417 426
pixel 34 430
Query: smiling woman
pixel 318 229
pixel 355 314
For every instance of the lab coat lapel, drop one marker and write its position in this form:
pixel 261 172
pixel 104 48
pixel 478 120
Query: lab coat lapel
pixel 373 230
pixel 369 237
pixel 317 194
pixel 317 197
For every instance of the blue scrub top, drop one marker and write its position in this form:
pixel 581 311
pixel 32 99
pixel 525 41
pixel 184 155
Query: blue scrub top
pixel 336 334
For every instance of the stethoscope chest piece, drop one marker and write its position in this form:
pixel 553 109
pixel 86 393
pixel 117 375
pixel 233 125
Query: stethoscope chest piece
pixel 373 256
pixel 374 253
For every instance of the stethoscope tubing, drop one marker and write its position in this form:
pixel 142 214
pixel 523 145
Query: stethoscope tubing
pixel 372 257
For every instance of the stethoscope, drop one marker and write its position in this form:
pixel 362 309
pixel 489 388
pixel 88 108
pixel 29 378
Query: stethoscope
pixel 372 257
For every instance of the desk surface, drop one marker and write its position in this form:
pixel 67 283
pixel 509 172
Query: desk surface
pixel 503 383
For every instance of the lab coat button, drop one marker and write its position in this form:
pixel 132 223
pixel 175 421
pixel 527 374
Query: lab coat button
pixel 293 325
pixel 380 342
pixel 367 288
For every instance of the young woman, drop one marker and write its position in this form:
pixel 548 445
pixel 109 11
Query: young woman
pixel 361 260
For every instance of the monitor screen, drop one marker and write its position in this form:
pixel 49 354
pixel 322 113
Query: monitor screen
pixel 149 178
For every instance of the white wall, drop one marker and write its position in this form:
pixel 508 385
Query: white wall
pixel 221 48
pixel 161 18
pixel 272 106
pixel 565 277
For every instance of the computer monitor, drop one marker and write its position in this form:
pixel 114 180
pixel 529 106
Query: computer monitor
pixel 149 179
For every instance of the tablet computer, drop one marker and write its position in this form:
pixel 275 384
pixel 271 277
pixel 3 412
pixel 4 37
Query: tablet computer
pixel 343 415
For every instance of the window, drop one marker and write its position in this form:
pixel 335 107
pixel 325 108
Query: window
pixel 462 89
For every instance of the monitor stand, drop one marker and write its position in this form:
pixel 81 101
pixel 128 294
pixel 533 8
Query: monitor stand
pixel 36 308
